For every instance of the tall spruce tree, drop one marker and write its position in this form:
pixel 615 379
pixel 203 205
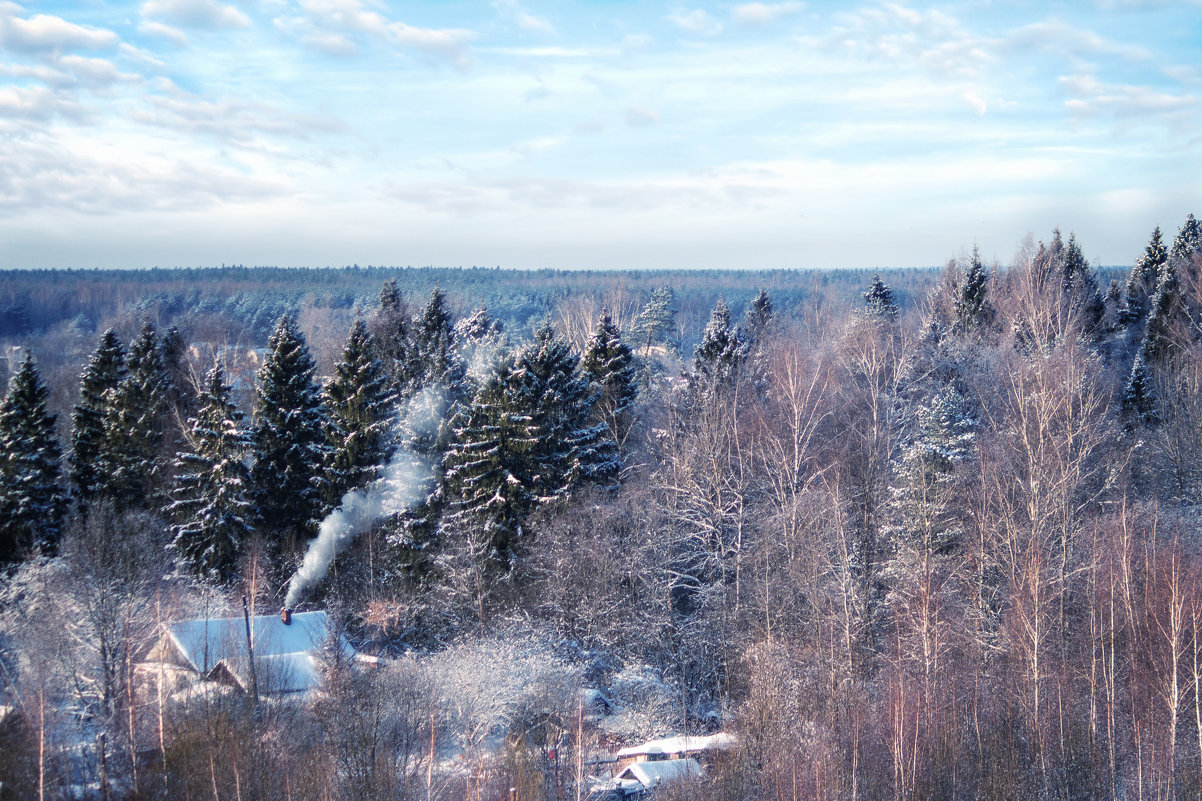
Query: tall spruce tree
pixel 551 392
pixel 1188 240
pixel 360 408
pixel 1141 283
pixel 1139 396
pixel 878 301
pixel 288 486
pixel 973 308
pixel 440 375
pixel 134 422
pixel 488 469
pixel 1166 310
pixel 758 318
pixel 608 364
pixel 1080 287
pixel 717 358
pixel 32 500
pixel 392 336
pixel 209 504
pixel 98 383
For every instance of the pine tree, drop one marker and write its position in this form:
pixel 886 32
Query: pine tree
pixel 656 323
pixel 133 427
pixel 1142 281
pixel 973 308
pixel 360 409
pixel 609 366
pixel 717 358
pixel 878 301
pixel 104 372
pixel 488 469
pixel 209 502
pixel 1080 287
pixel 757 318
pixel 551 392
pixel 31 499
pixel 288 488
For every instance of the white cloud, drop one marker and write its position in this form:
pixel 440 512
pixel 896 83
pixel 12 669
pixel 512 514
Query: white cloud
pixel 764 13
pixel 36 103
pixel 976 101
pixel 531 23
pixel 195 13
pixel 329 25
pixel 173 35
pixel 641 117
pixel 697 21
pixel 46 33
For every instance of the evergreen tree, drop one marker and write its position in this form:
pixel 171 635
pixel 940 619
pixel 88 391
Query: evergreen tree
pixel 180 398
pixel 1139 397
pixel 551 392
pixel 434 340
pixel 1142 281
pixel 104 372
pixel 1166 310
pixel 392 336
pixel 288 488
pixel 133 427
pixel 360 410
pixel 209 502
pixel 1080 287
pixel 477 327
pixel 717 358
pixel 31 499
pixel 609 366
pixel 757 318
pixel 1188 240
pixel 973 308
pixel 488 469
pixel 878 301
pixel 656 323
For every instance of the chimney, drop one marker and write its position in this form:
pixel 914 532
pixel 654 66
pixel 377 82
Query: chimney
pixel 286 616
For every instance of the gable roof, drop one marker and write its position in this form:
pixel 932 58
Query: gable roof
pixel 681 744
pixel 650 774
pixel 284 654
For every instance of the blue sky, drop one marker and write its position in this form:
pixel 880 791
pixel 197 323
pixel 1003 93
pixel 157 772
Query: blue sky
pixel 603 134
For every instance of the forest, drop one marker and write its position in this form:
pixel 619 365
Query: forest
pixel 905 534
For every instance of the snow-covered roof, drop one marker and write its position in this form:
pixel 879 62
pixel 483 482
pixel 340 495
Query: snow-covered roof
pixel 650 774
pixel 682 744
pixel 284 654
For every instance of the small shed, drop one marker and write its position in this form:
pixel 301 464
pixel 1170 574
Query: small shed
pixel 642 777
pixel 675 748
pixel 286 649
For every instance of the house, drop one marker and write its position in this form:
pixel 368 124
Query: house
pixel 684 746
pixel 643 777
pixel 288 649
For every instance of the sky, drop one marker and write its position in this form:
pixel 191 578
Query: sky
pixel 591 133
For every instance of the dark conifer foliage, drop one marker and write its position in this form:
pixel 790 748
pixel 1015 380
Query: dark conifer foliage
pixel 32 500
pixel 392 336
pixel 98 383
pixel 130 458
pixel 878 301
pixel 209 504
pixel 1166 311
pixel 361 410
pixel 973 308
pixel 1139 397
pixel 609 366
pixel 438 362
pixel 552 393
pixel 758 318
pixel 488 469
pixel 1188 240
pixel 288 487
pixel 1142 281
pixel 1080 286
pixel 717 358
pixel 656 323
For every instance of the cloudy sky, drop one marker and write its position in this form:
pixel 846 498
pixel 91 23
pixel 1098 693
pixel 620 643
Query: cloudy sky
pixel 591 133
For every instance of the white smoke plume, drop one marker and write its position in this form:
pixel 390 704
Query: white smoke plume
pixel 403 483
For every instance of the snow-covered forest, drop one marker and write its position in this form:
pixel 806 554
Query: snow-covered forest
pixel 904 535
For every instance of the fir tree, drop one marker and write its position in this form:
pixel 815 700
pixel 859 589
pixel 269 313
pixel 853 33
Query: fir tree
pixel 31 499
pixel 288 489
pixel 209 500
pixel 551 392
pixel 133 427
pixel 434 339
pixel 488 469
pixel 973 308
pixel 717 358
pixel 1167 308
pixel 478 327
pixel 1188 240
pixel 1142 281
pixel 1080 287
pixel 1139 397
pixel 609 366
pixel 878 301
pixel 757 318
pixel 104 372
pixel 392 335
pixel 360 409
